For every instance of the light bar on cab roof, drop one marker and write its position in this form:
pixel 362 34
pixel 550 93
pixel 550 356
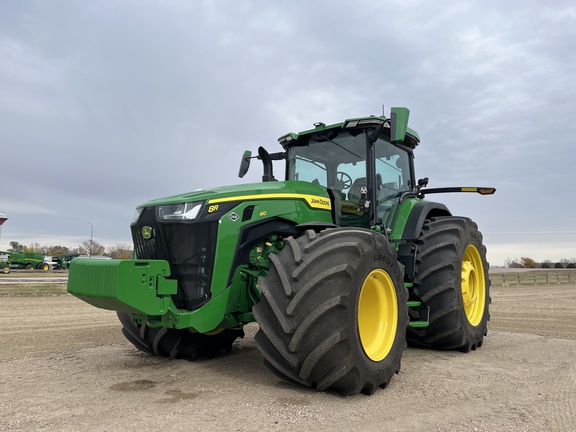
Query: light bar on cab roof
pixel 367 121
pixel 286 138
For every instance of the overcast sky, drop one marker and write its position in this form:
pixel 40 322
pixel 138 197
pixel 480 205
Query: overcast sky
pixel 105 105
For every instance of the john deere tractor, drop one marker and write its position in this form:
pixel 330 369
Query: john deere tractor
pixel 341 263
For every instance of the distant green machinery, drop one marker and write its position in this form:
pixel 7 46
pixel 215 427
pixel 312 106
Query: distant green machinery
pixel 22 260
pixel 62 262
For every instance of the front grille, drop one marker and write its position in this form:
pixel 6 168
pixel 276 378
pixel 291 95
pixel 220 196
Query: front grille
pixel 189 248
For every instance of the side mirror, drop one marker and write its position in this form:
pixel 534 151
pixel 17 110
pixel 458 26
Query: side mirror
pixel 245 163
pixel 399 124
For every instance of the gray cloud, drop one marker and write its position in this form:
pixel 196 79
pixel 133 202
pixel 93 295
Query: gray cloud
pixel 109 104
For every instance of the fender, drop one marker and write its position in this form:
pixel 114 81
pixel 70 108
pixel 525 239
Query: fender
pixel 420 212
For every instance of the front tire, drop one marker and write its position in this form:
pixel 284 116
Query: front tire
pixel 451 276
pixel 333 311
pixel 177 343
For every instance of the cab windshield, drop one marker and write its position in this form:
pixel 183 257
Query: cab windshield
pixel 336 159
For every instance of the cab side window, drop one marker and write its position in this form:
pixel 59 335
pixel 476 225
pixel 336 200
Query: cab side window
pixel 309 171
pixel 392 172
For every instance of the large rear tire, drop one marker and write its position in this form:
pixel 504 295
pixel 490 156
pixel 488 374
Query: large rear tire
pixel 451 276
pixel 333 311
pixel 173 343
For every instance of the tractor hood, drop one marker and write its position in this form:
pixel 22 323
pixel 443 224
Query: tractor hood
pixel 316 196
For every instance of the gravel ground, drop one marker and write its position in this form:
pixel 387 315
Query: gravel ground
pixel 65 366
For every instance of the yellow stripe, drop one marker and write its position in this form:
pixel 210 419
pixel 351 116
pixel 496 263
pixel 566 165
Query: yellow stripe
pixel 312 200
pixel 469 189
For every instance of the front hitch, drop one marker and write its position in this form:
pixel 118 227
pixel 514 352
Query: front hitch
pixel 136 286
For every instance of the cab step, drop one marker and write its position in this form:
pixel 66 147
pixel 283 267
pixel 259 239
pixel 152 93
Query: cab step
pixel 418 324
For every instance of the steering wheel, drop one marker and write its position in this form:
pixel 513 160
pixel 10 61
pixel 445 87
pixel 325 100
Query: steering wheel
pixel 344 179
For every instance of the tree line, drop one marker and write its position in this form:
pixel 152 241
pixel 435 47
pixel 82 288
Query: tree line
pixel 87 247
pixel 527 262
pixel 122 251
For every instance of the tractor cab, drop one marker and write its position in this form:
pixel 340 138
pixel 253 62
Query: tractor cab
pixel 355 160
pixel 366 165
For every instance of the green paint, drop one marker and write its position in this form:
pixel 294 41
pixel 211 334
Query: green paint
pixel 125 285
pixel 401 216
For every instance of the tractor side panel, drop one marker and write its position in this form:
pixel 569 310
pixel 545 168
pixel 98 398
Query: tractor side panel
pixel 250 222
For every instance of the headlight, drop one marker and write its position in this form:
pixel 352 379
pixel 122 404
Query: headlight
pixel 137 214
pixel 183 211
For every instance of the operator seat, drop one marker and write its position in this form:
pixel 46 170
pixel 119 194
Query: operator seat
pixel 354 192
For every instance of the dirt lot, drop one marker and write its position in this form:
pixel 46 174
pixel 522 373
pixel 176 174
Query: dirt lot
pixel 65 366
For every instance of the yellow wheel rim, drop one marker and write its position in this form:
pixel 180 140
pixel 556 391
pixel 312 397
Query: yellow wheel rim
pixel 377 315
pixel 473 285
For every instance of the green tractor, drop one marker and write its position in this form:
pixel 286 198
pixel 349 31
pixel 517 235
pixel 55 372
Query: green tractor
pixel 340 264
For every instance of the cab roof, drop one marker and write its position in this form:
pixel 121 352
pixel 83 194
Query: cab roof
pixel 412 139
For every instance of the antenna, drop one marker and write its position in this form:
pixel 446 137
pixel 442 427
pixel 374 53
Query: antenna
pixel 383 111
